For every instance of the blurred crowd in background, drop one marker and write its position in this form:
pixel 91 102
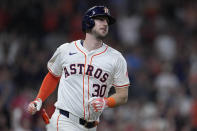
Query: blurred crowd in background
pixel 158 38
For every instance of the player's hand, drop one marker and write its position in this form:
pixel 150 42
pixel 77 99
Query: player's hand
pixel 34 106
pixel 98 104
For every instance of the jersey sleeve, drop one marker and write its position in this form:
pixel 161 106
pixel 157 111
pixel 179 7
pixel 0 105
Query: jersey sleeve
pixel 121 78
pixel 54 64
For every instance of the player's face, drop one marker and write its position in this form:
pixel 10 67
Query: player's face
pixel 100 30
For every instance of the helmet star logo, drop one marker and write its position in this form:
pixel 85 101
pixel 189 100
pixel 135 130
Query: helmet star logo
pixel 106 10
pixel 93 12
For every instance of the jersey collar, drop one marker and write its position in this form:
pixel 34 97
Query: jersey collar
pixel 80 46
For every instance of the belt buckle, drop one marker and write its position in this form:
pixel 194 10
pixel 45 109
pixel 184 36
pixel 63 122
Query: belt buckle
pixel 86 124
pixel 91 124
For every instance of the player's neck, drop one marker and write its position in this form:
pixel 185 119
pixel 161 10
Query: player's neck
pixel 91 43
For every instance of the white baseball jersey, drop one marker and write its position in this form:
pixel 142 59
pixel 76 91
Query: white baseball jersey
pixel 85 74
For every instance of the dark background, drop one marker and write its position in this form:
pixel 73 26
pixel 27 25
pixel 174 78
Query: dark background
pixel 157 37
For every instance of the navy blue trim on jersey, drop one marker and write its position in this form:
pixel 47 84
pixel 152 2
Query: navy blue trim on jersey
pixel 81 42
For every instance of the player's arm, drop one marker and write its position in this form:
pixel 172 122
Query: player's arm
pixel 48 86
pixel 121 84
pixel 118 98
pixel 98 104
pixel 49 83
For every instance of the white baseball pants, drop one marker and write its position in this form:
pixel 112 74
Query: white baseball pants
pixel 59 122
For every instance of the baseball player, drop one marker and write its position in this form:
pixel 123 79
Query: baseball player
pixel 85 70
